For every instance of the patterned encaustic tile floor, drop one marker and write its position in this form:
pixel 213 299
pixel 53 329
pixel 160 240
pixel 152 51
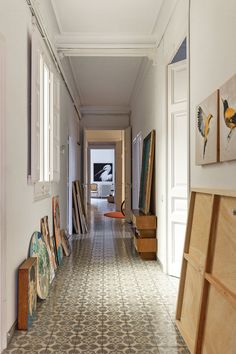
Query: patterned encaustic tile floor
pixel 105 299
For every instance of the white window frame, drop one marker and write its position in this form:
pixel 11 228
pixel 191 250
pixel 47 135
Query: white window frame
pixel 45 120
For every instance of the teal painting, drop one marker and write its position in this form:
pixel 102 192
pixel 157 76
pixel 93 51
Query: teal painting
pixel 38 249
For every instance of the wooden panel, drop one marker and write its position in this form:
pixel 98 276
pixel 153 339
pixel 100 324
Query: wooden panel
pixel 191 304
pixel 206 312
pixel 200 228
pixel 145 244
pixel 224 264
pixel 143 221
pixel 220 326
pixel 27 293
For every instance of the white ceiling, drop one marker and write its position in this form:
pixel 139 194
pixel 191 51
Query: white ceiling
pixel 123 25
pixel 107 16
pixel 105 81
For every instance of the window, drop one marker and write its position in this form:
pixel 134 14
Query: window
pixel 45 119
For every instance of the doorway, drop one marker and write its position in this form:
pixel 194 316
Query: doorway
pixel 102 171
pixel 2 199
pixel 121 143
pixel 178 166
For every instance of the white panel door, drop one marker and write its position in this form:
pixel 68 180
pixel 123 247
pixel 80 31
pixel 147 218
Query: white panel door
pixel 2 196
pixel 136 169
pixel 118 175
pixel 178 146
pixel 86 166
pixel 127 163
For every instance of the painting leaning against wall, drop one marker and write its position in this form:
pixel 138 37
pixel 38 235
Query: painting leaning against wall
pixel 147 172
pixel 38 249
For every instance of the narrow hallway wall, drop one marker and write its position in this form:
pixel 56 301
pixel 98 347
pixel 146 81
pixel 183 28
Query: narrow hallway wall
pixel 23 213
pixel 149 111
pixel 213 57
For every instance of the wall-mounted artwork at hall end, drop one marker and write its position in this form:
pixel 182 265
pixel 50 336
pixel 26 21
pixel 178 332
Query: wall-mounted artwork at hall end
pixel 207 130
pixel 103 172
pixel 228 120
pixel 147 172
pixel 38 249
pixel 27 293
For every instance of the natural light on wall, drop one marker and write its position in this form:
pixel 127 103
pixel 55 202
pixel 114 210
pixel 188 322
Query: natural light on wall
pixel 45 119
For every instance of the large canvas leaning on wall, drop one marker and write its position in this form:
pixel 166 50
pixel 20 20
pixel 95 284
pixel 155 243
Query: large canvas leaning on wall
pixel 228 120
pixel 146 172
pixel 207 130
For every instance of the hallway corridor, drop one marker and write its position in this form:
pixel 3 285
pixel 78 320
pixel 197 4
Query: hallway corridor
pixel 105 300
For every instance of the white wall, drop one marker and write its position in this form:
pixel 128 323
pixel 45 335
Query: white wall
pixel 105 121
pixel 149 111
pixel 101 156
pixel 213 58
pixel 22 212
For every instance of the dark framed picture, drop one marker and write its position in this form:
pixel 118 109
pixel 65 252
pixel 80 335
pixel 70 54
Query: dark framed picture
pixel 146 172
pixel 103 172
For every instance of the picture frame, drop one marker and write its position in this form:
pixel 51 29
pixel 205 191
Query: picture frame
pixel 227 103
pixel 27 293
pixel 147 172
pixel 46 236
pixel 39 250
pixel 56 228
pixel 103 172
pixel 207 130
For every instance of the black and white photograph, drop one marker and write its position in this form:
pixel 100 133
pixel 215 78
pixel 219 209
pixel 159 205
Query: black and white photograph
pixel 102 172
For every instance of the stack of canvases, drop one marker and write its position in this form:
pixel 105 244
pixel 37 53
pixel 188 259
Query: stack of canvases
pixel 37 273
pixel 78 211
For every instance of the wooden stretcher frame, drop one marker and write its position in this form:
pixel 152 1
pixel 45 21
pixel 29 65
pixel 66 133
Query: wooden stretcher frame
pixel 207 285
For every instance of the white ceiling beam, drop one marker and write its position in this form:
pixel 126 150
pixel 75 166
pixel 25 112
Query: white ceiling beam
pixel 103 46
pixel 104 110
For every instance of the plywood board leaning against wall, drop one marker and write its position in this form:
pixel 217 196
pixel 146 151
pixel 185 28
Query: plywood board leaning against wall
pixel 207 292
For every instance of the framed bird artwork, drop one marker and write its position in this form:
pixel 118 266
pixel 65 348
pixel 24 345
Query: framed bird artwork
pixel 228 120
pixel 207 130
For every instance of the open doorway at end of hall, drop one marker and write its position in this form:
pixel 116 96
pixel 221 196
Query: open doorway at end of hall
pixel 101 172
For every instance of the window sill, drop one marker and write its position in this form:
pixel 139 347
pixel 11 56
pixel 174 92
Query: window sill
pixel 42 190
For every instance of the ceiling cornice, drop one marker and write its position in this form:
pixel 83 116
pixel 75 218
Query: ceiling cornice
pixel 104 110
pixel 104 46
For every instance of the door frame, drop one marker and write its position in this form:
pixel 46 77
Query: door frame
pixel 3 339
pixel 168 144
pixel 98 146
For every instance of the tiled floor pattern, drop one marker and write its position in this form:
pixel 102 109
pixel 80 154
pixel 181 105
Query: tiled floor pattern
pixel 105 300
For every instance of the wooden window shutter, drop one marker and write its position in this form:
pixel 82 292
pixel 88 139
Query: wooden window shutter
pixel 35 106
pixel 55 131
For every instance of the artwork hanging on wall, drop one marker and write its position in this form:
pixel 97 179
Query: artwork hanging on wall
pixel 27 293
pixel 103 172
pixel 38 249
pixel 207 130
pixel 228 120
pixel 46 237
pixel 147 172
pixel 56 228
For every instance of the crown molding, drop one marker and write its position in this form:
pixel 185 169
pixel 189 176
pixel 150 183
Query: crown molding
pixel 104 110
pixel 106 46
